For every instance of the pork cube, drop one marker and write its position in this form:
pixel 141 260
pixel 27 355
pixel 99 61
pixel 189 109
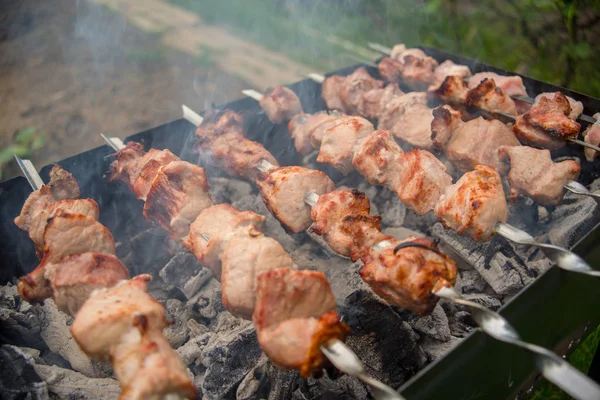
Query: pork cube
pixel 280 104
pixel 302 126
pixel 374 156
pixel 353 88
pixel 445 122
pixel 592 136
pixel 330 89
pixel 490 98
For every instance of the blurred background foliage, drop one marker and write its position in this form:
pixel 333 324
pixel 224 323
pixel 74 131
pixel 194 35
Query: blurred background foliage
pixel 551 40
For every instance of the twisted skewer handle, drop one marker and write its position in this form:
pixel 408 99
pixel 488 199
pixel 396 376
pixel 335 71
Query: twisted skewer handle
pixel 551 366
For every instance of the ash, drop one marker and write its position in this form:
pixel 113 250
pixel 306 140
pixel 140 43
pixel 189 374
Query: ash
pixel 40 360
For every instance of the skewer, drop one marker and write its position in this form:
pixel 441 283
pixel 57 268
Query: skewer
pixel 114 142
pixel 551 366
pixel 30 173
pixel 387 51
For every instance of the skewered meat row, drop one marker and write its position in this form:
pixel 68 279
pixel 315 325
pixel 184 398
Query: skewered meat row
pixel 77 269
pixel 231 244
pixel 592 136
pixel 280 104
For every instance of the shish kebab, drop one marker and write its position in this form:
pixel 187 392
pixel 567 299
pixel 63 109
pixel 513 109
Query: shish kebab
pixel 349 228
pixel 293 311
pixel 439 72
pixel 114 316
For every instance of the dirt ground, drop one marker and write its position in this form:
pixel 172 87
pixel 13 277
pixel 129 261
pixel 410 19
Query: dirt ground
pixel 74 69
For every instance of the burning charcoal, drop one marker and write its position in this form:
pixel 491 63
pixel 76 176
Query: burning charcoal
pixel 185 273
pixel 485 300
pixel 229 355
pixel 18 377
pixel 265 381
pixel 176 333
pixel 434 325
pixel 461 324
pixel 207 304
pixel 420 223
pixel 390 208
pixel 191 352
pixel 572 219
pixel 471 281
pixel 385 343
pixel 436 349
pixel 19 324
pixel 503 273
pixel 149 251
pixel 56 334
pixel 224 190
pixel 68 384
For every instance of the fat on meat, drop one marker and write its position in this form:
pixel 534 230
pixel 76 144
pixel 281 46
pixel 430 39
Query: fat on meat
pixel 218 223
pixel 474 204
pixel 246 255
pixel 283 190
pixel 535 175
pixel 295 314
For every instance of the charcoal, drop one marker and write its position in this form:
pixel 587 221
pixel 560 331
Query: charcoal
pixel 68 384
pixel 471 281
pixel 206 304
pixel 420 223
pixel 385 343
pixel 390 208
pixel 485 300
pixel 265 381
pixel 462 324
pixel 225 190
pixel 19 325
pixel 434 325
pixel 436 349
pixel 503 273
pixel 229 355
pixel 191 352
pixel 18 377
pixel 177 332
pixel 572 219
pixel 149 251
pixel 55 332
pixel 185 273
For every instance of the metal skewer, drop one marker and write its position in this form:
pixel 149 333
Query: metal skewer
pixel 30 173
pixel 388 51
pixel 191 116
pixel 578 188
pixel 114 142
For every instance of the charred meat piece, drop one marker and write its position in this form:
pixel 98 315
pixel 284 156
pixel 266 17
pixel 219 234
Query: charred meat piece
pixel 394 111
pixel 535 175
pixel 125 324
pixel 406 277
pixel 235 154
pixel 419 179
pixel 547 124
pixel 375 155
pixel 218 223
pixel 41 215
pixel 62 186
pixel 474 204
pixel 295 315
pixel 453 91
pixel 592 136
pixel 330 89
pixel 339 142
pixel 511 85
pixel 477 142
pixel 217 122
pixel 490 98
pixel 374 102
pixel 283 190
pixel 65 234
pixel 576 106
pixel 247 254
pixel 75 277
pixel 342 218
pixel 177 196
pixel 446 121
pixel 445 69
pixel 353 88
pixel 302 126
pixel 280 104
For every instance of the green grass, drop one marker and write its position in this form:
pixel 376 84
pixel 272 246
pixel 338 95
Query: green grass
pixel 146 55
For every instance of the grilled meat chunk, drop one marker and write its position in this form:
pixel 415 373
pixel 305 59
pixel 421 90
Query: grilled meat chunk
pixel 62 186
pixel 177 196
pixel 342 218
pixel 316 138
pixel 419 179
pixel 375 155
pixel 394 112
pixel 125 324
pixel 446 121
pixel 417 72
pixel 235 154
pixel 474 204
pixel 414 126
pixel 339 142
pixel 511 85
pixel 330 90
pixel 65 234
pixel 477 142
pixel 217 122
pixel 218 223
pixel 280 104
pixel 535 175
pixel 448 68
pixel 247 254
pixel 283 190
pixel 75 277
pixel 353 88
pixel 374 102
pixel 41 215
pixel 406 277
pixel 295 315
pixel 547 124
pixel 576 106
pixel 390 69
pixel 490 98
pixel 397 51
pixel 302 126
pixel 592 136
pixel 453 91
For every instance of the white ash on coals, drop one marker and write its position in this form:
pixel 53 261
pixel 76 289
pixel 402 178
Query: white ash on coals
pixel 222 352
